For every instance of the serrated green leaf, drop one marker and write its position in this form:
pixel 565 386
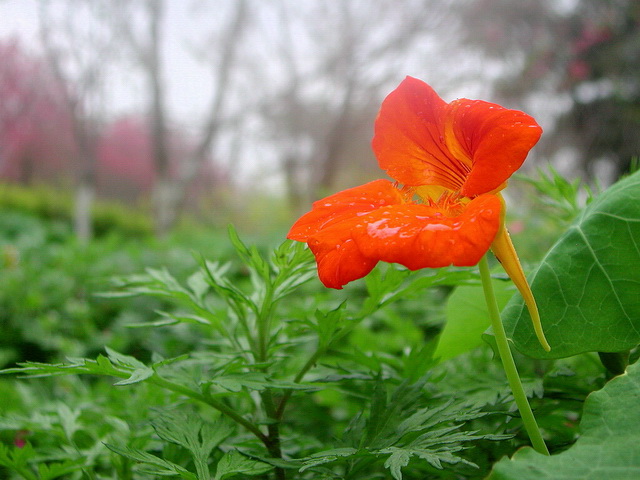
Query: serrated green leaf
pixel 397 427
pixel 417 361
pixel 191 432
pixel 198 284
pixel 606 449
pixel 16 459
pixel 138 370
pixel 388 283
pixel 241 249
pixel 152 464
pixel 250 256
pixel 51 471
pixel 234 463
pixel 559 193
pixel 328 456
pixel 399 458
pixel 125 360
pixel 174 318
pixel 68 420
pixel 587 285
pixel 256 381
pixel 294 265
pixel 137 376
pixel 237 300
pixel 101 366
pixel 329 323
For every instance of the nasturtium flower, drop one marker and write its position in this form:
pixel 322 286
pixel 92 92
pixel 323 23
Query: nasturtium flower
pixel 449 162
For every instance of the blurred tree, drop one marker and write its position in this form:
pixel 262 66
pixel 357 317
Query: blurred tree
pixel 126 169
pixel 146 44
pixel 335 62
pixel 584 52
pixel 119 175
pixel 35 134
pixel 79 47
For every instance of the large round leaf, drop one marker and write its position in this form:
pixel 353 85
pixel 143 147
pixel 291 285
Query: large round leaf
pixel 607 447
pixel 588 285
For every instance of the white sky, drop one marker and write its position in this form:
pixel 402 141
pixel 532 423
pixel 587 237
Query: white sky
pixel 187 80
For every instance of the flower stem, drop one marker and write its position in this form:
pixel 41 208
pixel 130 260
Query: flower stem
pixel 508 364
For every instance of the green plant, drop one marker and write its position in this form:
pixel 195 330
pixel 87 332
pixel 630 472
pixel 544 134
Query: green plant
pixel 281 379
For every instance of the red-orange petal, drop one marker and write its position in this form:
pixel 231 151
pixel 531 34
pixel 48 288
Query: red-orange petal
pixel 409 139
pixel 421 236
pixel 351 243
pixel 496 140
pixel 339 259
pixel 344 206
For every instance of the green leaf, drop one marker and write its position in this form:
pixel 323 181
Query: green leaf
pixel 234 463
pixel 234 382
pixel 152 464
pixel 606 449
pixel 17 459
pixel 399 458
pixel 468 318
pixel 69 421
pixel 138 375
pixel 388 283
pixel 328 324
pixel 398 428
pixel 555 191
pixel 57 470
pixel 328 456
pixel 198 284
pixel 189 431
pixel 124 360
pixel 77 366
pixel 587 286
pixel 140 371
pixel 294 265
pixel 250 256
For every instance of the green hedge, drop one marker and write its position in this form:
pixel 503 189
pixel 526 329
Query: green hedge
pixel 51 204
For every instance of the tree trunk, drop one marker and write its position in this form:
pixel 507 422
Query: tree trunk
pixel 82 224
pixel 164 201
pixel 194 162
pixel 163 196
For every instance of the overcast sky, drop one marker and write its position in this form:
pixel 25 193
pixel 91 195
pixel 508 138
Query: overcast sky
pixel 187 79
pixel 188 27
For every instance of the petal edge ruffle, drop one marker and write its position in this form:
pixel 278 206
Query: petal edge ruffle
pixel 344 205
pixel 495 139
pixel 417 236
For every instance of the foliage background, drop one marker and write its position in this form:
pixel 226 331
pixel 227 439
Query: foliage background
pixel 104 195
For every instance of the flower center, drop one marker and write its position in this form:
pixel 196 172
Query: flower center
pixel 449 201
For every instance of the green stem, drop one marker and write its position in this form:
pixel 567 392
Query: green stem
pixel 320 351
pixel 265 315
pixel 298 378
pixel 264 324
pixel 508 364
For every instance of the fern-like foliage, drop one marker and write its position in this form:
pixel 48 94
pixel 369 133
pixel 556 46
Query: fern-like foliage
pixel 398 427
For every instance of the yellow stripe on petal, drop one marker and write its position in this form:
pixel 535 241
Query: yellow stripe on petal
pixel 503 249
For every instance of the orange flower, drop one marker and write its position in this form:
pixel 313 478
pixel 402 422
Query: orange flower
pixel 452 160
